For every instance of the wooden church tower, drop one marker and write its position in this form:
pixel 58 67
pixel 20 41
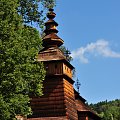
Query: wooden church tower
pixel 59 99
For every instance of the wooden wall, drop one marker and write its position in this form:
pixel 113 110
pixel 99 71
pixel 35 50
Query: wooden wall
pixel 52 102
pixel 67 71
pixel 58 100
pixel 55 68
pixel 70 100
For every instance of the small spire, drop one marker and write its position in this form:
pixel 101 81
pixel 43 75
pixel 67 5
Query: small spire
pixel 51 24
pixel 51 38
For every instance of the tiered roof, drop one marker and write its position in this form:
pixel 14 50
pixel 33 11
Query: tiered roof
pixel 51 38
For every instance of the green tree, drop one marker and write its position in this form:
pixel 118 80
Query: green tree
pixel 67 53
pixel 31 12
pixel 108 110
pixel 21 75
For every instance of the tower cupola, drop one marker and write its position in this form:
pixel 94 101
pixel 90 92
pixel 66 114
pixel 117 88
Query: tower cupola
pixel 51 38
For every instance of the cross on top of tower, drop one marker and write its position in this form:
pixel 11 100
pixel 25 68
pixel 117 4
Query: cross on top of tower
pixel 77 85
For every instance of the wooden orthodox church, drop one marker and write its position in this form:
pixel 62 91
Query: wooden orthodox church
pixel 60 101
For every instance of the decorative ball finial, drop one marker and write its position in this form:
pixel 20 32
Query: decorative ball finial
pixel 51 14
pixel 51 9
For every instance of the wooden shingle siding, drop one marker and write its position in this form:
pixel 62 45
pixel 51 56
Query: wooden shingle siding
pixel 70 100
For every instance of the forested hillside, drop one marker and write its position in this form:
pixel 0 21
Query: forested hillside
pixel 108 110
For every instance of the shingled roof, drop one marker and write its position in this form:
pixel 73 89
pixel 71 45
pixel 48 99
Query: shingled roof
pixel 82 108
pixel 50 54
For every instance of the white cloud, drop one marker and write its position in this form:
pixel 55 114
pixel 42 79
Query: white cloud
pixel 100 47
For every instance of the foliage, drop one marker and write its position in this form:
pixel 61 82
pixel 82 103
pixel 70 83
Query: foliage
pixel 108 110
pixel 31 12
pixel 48 3
pixel 21 75
pixel 67 53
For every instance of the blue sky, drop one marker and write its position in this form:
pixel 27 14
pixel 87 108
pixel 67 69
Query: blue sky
pixel 91 30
